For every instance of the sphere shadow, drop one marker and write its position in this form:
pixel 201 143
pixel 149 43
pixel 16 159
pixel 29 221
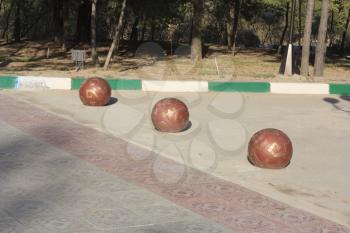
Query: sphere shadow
pixel 112 101
pixel 188 127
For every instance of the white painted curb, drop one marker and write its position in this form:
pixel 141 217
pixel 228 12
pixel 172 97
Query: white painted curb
pixel 57 83
pixel 33 82
pixel 299 88
pixel 175 86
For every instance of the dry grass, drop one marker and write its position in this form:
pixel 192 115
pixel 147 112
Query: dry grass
pixel 47 59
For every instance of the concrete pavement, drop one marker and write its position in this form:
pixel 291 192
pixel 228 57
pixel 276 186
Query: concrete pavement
pixel 44 189
pixel 316 181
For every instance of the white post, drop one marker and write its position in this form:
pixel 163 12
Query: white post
pixel 289 66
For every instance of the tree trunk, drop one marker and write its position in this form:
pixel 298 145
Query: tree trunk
pixel 342 46
pixel 223 34
pixel 94 55
pixel 235 24
pixel 191 31
pixel 115 43
pixel 122 30
pixel 152 28
pixel 300 23
pixel 65 14
pixel 1 1
pixel 304 71
pixel 5 32
pixel 331 30
pixel 57 20
pixel 285 28
pixel 321 47
pixel 144 24
pixel 33 25
pixel 196 45
pixel 134 31
pixel 17 28
pixel 229 24
pixel 84 21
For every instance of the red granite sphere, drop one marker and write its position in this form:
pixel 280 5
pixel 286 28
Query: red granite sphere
pixel 170 115
pixel 270 148
pixel 95 92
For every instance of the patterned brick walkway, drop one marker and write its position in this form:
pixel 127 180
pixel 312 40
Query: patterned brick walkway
pixel 226 203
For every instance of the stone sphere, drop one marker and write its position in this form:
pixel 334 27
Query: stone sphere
pixel 95 92
pixel 170 115
pixel 270 148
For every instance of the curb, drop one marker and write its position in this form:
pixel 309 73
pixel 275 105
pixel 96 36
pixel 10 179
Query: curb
pixel 116 84
pixel 57 83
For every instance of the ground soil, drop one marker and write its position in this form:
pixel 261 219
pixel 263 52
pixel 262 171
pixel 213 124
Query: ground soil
pixel 150 61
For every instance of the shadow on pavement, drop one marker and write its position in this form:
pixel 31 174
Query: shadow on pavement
pixel 338 104
pixel 345 97
pixel 112 101
pixel 33 177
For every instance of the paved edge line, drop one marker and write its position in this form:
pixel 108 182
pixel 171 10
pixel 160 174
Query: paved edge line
pixel 74 83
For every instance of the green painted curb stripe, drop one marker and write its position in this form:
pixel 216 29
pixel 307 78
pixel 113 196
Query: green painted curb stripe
pixel 339 89
pixel 122 84
pixel 116 84
pixel 76 82
pixel 239 87
pixel 8 82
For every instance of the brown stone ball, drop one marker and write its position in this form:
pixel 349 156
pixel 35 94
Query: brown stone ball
pixel 270 148
pixel 95 92
pixel 170 115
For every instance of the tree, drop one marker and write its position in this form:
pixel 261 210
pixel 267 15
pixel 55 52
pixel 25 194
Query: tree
pixel 321 40
pixel 299 22
pixel 342 46
pixel 93 32
pixel 235 24
pixel 65 16
pixel 285 27
pixel 7 22
pixel 230 13
pixel 115 42
pixel 17 28
pixel 304 71
pixel 196 44
pixel 83 21
pixel 144 24
pixel 57 20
